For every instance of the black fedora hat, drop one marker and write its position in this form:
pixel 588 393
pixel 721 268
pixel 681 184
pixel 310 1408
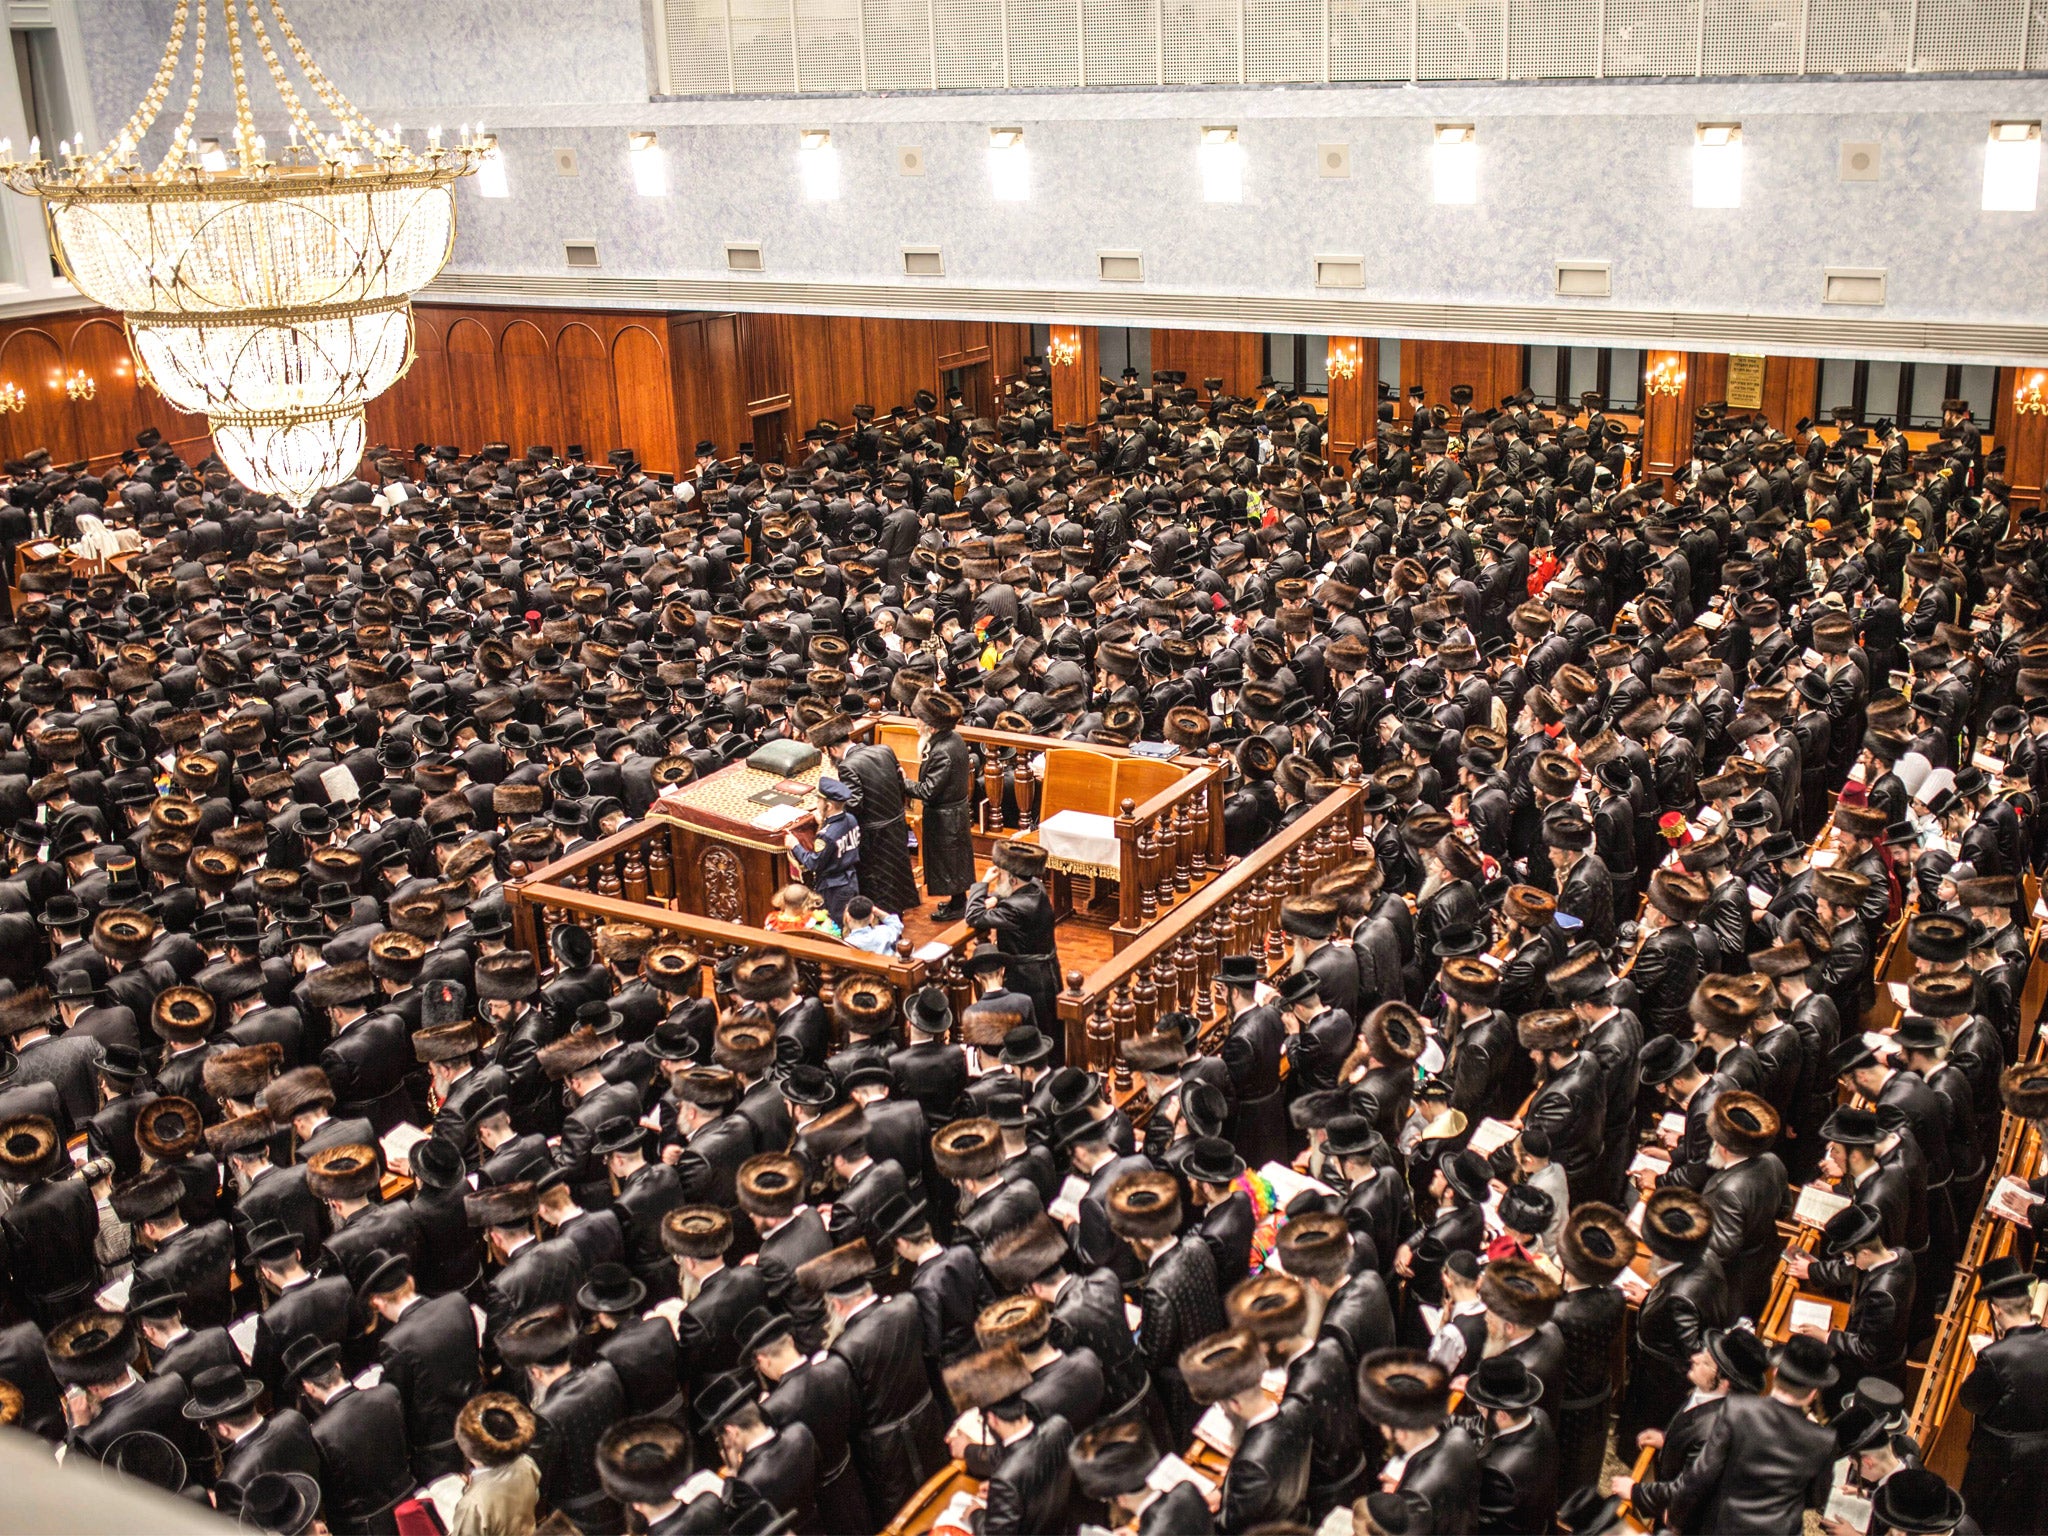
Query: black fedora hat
pixel 1505 1383
pixel 1740 1356
pixel 1804 1362
pixel 283 1503
pixel 219 1392
pixel 1026 1046
pixel 611 1288
pixel 1916 1502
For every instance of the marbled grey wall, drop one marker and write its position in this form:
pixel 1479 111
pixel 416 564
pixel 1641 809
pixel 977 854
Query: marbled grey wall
pixel 1590 172
pixel 1598 171
pixel 415 60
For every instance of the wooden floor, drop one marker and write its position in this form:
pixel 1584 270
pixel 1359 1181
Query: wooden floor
pixel 1083 939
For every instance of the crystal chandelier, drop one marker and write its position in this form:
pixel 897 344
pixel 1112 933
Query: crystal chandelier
pixel 274 296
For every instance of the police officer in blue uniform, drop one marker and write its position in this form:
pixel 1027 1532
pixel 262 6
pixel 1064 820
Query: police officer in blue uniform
pixel 831 865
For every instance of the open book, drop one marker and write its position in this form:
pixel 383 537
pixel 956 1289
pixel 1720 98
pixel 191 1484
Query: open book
pixel 1817 1206
pixel 1491 1135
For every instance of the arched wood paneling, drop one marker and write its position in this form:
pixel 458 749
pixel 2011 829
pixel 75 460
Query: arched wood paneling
pixel 32 359
pixel 590 414
pixel 119 406
pixel 473 383
pixel 647 417
pixel 533 402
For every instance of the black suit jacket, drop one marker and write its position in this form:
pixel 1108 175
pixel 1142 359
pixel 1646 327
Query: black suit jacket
pixel 196 1352
pixel 707 1340
pixel 783 1471
pixel 1032 1482
pixel 1446 1474
pixel 156 1405
pixel 365 1464
pixel 538 1275
pixel 1762 1466
pixel 574 1415
pixel 320 1308
pixel 197 1261
pixel 282 1443
pixel 1518 1479
pixel 430 1358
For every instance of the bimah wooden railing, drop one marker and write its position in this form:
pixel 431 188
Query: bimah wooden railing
pixel 1168 812
pixel 629 878
pixel 1172 964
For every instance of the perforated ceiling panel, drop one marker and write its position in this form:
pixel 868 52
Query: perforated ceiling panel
pixel 1043 47
pixel 1858 36
pixel 970 39
pixel 1283 41
pixel 828 45
pixel 1651 37
pixel 1968 34
pixel 775 47
pixel 1120 42
pixel 2037 35
pixel 899 45
pixel 1460 40
pixel 1198 41
pixel 1750 37
pixel 697 63
pixel 763 48
pixel 1369 40
pixel 1554 40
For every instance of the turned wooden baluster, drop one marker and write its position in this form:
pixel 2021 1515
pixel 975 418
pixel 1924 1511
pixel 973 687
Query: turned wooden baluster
pixel 992 792
pixel 1148 890
pixel 1198 848
pixel 1167 975
pixel 1074 995
pixel 661 884
pixel 1144 1002
pixel 1276 941
pixel 1121 1015
pixel 570 881
pixel 634 871
pixel 1163 851
pixel 1188 973
pixel 608 882
pixel 1024 779
pixel 1183 849
pixel 1208 945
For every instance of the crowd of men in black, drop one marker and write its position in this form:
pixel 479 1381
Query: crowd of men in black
pixel 1650 779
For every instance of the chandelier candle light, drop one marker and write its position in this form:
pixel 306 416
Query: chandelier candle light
pixel 273 295
pixel 1666 379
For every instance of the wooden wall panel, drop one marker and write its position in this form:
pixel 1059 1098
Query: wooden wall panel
pixel 583 367
pixel 473 390
pixel 646 417
pixel 37 354
pixel 1076 390
pixel 1493 369
pixel 1009 345
pixel 1789 385
pixel 1235 357
pixel 2024 437
pixel 1352 401
pixel 766 378
pixel 831 370
pixel 704 357
pixel 533 400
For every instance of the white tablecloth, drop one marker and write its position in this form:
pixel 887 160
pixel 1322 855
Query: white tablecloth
pixel 1080 840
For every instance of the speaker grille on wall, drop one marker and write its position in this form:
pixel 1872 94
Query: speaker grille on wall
pixel 1584 280
pixel 743 258
pixel 1333 161
pixel 1340 272
pixel 1854 285
pixel 1120 266
pixel 1859 162
pixel 923 261
pixel 580 253
pixel 909 160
